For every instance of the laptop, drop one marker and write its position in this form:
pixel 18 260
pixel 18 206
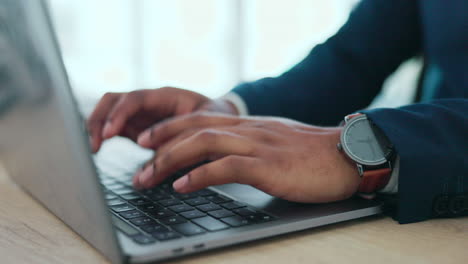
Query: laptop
pixel 44 147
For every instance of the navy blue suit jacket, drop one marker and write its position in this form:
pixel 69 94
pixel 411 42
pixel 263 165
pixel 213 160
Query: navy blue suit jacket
pixel 346 72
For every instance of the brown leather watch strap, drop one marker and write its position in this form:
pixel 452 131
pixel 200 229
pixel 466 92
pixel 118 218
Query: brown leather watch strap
pixel 374 180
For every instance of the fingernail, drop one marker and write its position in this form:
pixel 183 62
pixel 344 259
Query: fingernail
pixel 181 183
pixel 146 175
pixel 144 138
pixel 107 129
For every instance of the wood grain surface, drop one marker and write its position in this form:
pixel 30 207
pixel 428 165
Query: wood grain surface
pixel 31 234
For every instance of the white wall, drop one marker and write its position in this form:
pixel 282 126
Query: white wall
pixel 204 45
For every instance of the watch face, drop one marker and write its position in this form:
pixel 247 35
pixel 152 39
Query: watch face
pixel 364 143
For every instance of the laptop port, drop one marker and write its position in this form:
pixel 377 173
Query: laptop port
pixel 178 250
pixel 198 246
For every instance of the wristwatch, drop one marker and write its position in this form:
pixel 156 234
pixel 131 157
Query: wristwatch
pixel 365 144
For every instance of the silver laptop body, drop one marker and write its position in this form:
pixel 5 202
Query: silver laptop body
pixel 44 146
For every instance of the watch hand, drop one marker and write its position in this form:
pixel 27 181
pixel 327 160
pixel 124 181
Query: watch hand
pixel 372 149
pixel 363 140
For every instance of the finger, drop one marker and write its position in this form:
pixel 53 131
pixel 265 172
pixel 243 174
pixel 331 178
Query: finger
pixel 136 180
pixel 163 131
pixel 195 149
pixel 230 169
pixel 259 135
pixel 177 139
pixel 127 106
pixel 130 132
pixel 136 177
pixel 97 118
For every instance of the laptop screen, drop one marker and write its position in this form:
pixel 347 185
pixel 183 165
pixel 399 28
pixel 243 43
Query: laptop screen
pixel 43 140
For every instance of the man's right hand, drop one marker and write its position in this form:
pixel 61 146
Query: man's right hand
pixel 129 114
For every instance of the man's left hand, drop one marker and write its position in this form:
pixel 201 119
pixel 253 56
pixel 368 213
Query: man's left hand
pixel 282 157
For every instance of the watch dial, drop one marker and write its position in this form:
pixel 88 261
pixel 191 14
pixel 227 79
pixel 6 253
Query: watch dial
pixel 362 144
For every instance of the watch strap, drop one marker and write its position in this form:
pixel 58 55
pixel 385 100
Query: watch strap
pixel 374 180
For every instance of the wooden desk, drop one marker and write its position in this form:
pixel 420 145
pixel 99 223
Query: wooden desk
pixel 30 234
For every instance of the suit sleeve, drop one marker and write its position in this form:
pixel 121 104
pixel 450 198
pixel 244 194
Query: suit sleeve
pixel 432 142
pixel 346 72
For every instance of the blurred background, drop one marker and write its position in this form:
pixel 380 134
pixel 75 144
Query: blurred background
pixel 207 46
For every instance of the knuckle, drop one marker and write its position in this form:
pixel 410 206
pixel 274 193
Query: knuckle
pixel 235 165
pixel 137 94
pixel 200 116
pixel 277 124
pixel 165 89
pixel 165 158
pixel 196 117
pixel 207 135
pixel 232 162
pixel 253 150
pixel 258 124
pixel 109 95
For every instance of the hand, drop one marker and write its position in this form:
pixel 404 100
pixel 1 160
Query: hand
pixel 128 114
pixel 284 158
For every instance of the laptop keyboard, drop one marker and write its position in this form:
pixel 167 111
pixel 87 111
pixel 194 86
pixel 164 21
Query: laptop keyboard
pixel 161 214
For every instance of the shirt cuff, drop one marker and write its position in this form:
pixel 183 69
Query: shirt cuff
pixel 392 185
pixel 238 103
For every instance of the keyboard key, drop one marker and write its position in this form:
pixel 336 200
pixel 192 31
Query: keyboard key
pixel 124 227
pixel 220 213
pixel 192 214
pixel 185 196
pixel 161 213
pixel 110 196
pixel 131 196
pixel 244 211
pixel 142 221
pixel 115 202
pixel 218 199
pixel 154 228
pixel 181 208
pixel 142 239
pixel 232 205
pixel 166 187
pixel 114 186
pixel 209 207
pixel 121 208
pixel 150 207
pixel 163 236
pixel 106 181
pixel 131 214
pixel 150 191
pixel 159 196
pixel 259 217
pixel 205 192
pixel 197 201
pixel 139 201
pixel 125 190
pixel 188 229
pixel 235 221
pixel 210 223
pixel 173 220
pixel 169 202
